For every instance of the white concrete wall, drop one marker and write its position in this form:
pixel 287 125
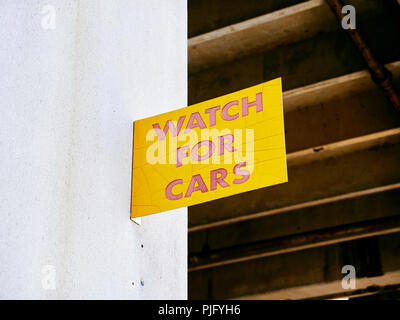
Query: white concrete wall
pixel 68 100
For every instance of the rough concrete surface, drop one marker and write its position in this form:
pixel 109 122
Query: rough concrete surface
pixel 69 96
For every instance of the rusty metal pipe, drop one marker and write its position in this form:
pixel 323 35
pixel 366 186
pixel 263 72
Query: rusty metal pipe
pixel 379 74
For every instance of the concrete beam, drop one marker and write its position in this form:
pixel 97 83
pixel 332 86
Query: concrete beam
pixel 293 243
pixel 261 33
pixel 364 162
pixel 337 109
pixel 223 13
pixel 280 27
pixel 329 290
pixel 333 89
pixel 327 213
pixel 327 111
pixel 299 274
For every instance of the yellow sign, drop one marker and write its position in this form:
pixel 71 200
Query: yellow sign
pixel 213 149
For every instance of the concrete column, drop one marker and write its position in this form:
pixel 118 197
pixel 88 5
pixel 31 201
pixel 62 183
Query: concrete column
pixel 74 76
